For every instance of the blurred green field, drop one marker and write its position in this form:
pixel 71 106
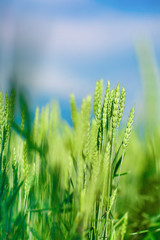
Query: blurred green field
pixel 89 181
pixel 140 190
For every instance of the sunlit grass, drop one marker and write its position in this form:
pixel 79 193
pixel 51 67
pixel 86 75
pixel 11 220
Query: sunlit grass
pixel 58 182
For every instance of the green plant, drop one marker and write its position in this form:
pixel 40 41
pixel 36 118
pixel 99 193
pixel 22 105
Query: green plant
pixel 143 158
pixel 58 182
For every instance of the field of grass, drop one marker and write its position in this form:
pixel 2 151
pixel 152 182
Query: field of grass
pixel 140 189
pixel 58 182
pixel 89 181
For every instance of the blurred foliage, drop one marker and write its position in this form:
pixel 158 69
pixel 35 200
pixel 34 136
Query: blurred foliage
pixel 58 182
pixel 140 190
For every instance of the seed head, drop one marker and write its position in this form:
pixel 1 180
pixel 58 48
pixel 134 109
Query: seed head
pixel 128 129
pixel 110 102
pixel 115 109
pixel 73 110
pixel 106 99
pixel 121 105
pixel 98 101
pixel 12 106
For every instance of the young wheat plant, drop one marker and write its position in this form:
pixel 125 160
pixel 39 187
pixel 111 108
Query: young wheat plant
pixel 61 182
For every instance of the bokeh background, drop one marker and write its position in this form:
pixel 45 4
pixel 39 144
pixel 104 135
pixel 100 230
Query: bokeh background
pixel 53 48
pixel 57 47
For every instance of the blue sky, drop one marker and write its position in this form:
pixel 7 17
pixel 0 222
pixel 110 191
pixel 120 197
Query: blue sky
pixel 64 46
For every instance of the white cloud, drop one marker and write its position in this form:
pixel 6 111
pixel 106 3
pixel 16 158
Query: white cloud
pixel 84 37
pixel 100 36
pixel 58 3
pixel 79 38
pixel 62 84
pixel 87 37
pixel 69 1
